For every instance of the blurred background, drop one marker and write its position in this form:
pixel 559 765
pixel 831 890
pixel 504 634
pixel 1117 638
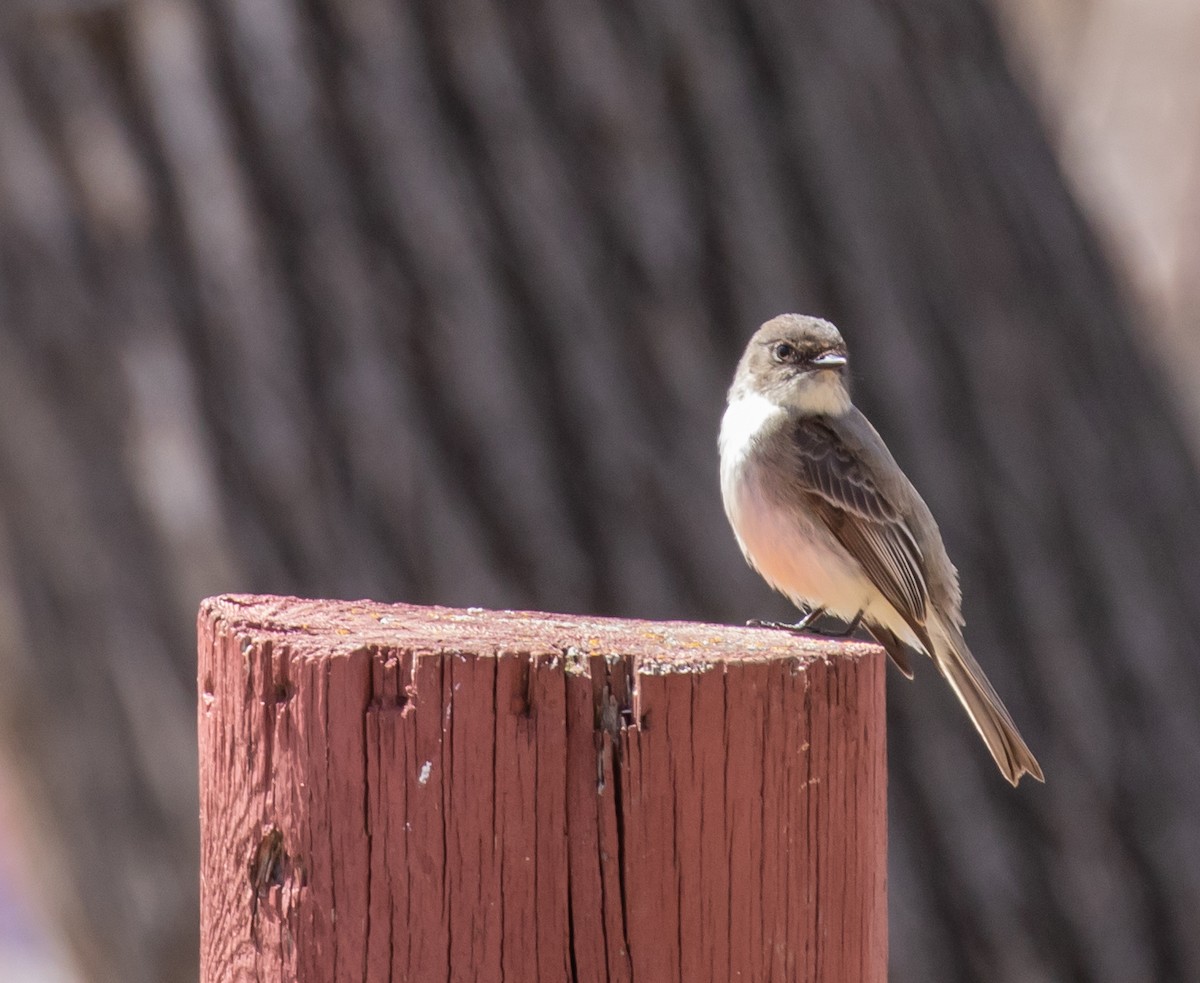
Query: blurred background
pixel 437 302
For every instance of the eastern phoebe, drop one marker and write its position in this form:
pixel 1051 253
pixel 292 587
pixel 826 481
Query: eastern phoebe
pixel 821 509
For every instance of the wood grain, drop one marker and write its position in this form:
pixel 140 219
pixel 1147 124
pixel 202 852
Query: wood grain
pixel 391 792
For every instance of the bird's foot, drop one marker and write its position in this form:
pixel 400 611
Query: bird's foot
pixel 798 628
pixel 844 632
pixel 806 625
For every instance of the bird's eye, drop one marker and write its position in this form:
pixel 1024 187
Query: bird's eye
pixel 783 352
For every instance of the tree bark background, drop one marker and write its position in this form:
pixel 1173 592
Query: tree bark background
pixel 438 302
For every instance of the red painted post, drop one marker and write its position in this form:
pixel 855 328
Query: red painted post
pixel 404 793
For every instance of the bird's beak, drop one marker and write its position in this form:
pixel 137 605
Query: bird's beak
pixel 830 360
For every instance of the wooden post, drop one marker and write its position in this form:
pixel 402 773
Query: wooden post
pixel 424 794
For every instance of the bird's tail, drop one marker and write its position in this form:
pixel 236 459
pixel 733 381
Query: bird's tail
pixel 983 705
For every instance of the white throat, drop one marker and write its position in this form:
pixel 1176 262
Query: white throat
pixel 746 417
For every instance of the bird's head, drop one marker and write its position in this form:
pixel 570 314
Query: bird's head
pixel 799 362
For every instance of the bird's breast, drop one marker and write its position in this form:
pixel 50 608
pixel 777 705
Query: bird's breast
pixel 793 551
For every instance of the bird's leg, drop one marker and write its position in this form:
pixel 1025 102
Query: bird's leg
pixel 805 624
pixel 846 632
pixel 797 628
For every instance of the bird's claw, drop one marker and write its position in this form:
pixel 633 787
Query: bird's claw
pixel 805 625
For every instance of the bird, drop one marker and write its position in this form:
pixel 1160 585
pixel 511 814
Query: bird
pixel 822 511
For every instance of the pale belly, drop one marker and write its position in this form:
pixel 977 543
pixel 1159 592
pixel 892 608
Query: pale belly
pixel 799 557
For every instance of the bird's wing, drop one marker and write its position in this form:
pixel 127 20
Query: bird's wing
pixel 844 493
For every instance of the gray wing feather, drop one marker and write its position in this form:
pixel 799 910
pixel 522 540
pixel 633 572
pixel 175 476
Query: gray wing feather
pixel 846 496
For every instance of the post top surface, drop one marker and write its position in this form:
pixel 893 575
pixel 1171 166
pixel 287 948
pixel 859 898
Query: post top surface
pixel 326 627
